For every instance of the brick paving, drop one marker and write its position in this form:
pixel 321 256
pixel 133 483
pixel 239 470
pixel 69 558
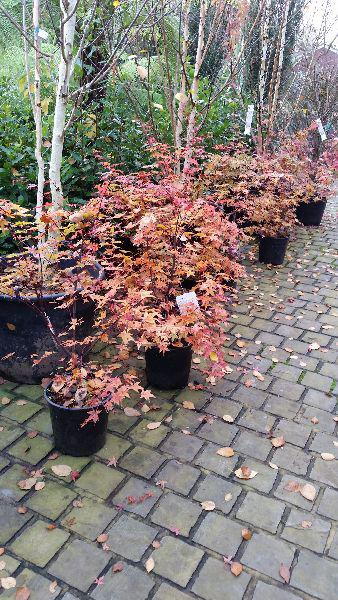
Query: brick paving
pixel 150 503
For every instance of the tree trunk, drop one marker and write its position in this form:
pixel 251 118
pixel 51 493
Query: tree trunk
pixel 264 35
pixel 38 120
pixel 184 57
pixel 67 40
pixel 280 65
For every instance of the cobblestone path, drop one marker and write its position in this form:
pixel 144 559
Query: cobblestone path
pixel 283 355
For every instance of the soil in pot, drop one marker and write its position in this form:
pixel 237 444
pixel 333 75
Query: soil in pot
pixel 169 370
pixel 272 250
pixel 311 213
pixel 69 436
pixel 24 333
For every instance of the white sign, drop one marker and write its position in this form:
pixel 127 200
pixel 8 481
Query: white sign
pixel 43 34
pixel 321 130
pixel 186 301
pixel 248 119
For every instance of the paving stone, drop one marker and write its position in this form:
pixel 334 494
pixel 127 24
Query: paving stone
pixel 218 432
pixel 294 433
pixel 292 459
pixel 209 459
pixel 319 400
pixel 11 521
pixel 20 413
pixel 257 420
pixel 323 442
pixel 79 564
pixel 294 497
pixel 40 422
pixel 33 392
pixel 287 389
pixel 223 387
pixel 263 591
pixel 9 490
pixel 198 397
pixel 38 545
pixel 120 423
pixel 219 534
pixel 256 383
pixel 287 372
pixel 9 434
pixel 3 462
pixel 256 362
pixel 223 406
pixel 317 381
pixel 326 472
pixel 250 396
pixel 150 437
pixel 90 520
pixel 137 497
pixel 215 582
pixel 282 407
pixel 216 489
pixel 326 422
pixel 164 408
pixel 186 419
pixel 174 512
pixel 261 511
pixel 263 325
pixel 11 565
pixel 167 592
pixel 176 560
pixel 265 479
pixel 114 446
pixel 265 554
pixel 76 463
pixel 182 446
pixel 271 339
pixel 313 537
pixel 52 500
pixel 100 480
pixel 178 476
pixel 31 450
pixel 37 585
pixel 329 370
pixel 333 552
pixel 142 461
pixel 129 583
pixel 69 596
pixel 315 576
pixel 130 538
pixel 252 445
pixel 320 338
pixel 305 362
pixel 245 332
pixel 328 505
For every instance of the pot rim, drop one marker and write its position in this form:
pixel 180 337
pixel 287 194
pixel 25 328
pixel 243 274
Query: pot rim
pixel 46 297
pixel 274 237
pixel 75 408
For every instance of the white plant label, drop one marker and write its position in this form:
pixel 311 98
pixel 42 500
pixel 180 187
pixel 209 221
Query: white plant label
pixel 321 130
pixel 248 120
pixel 42 34
pixel 187 301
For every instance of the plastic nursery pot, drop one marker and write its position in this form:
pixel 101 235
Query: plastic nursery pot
pixel 25 333
pixel 169 370
pixel 311 213
pixel 69 436
pixel 272 250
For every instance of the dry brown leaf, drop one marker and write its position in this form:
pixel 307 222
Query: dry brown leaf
pixel 145 408
pixel 196 361
pixel 228 418
pixel 8 582
pixel 335 419
pixel 208 505
pixel 32 434
pixel 249 383
pixel 156 544
pixel 53 587
pixel 293 486
pixel 131 412
pixel 118 567
pixel 245 473
pixel 27 484
pixel 154 425
pixel 22 510
pixel 273 466
pixel 103 537
pixel 22 593
pixel 258 375
pixel 2 551
pixel 284 572
pixel 149 564
pixel 61 470
pixel 188 405
pixel 5 400
pixel 277 442
pixel 77 503
pixel 39 486
pixel 314 346
pixel 241 343
pixel 2 565
pixel 327 456
pixel 246 534
pixel 314 420
pixel 21 402
pixel 236 568
pixel 306 524
pixel 227 497
pixel 308 491
pixel 226 452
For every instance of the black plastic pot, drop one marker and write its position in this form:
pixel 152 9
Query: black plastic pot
pixel 69 436
pixel 169 370
pixel 24 332
pixel 311 213
pixel 272 250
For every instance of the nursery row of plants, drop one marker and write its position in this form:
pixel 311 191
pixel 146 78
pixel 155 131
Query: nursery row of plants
pixel 147 265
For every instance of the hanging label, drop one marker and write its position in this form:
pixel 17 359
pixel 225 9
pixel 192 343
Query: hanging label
pixel 43 34
pixel 321 130
pixel 248 119
pixel 187 301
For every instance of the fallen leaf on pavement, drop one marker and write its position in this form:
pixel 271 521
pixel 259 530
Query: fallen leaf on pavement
pixel 27 484
pixel 228 418
pixel 246 534
pixel 284 572
pixel 154 425
pixel 156 544
pixel 22 510
pixel 118 567
pixel 314 420
pixel 308 491
pixel 77 503
pixel 293 486
pixel 306 524
pixel 226 452
pixel 5 400
pixel 39 486
pixel 327 456
pixel 236 568
pixel 227 497
pixel 32 434
pixel 208 505
pixel 22 593
pixel 53 587
pixel 277 442
pixel 8 582
pixel 149 564
pixel 61 470
pixel 103 537
pixel 131 412
pixel 258 375
pixel 188 405
pixel 245 473
pixel 273 466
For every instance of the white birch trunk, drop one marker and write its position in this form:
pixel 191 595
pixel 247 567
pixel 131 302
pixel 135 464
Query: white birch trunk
pixel 194 87
pixel 38 120
pixel 67 41
pixel 183 87
pixel 280 64
pixel 264 28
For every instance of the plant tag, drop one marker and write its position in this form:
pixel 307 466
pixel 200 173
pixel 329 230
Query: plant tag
pixel 186 301
pixel 43 34
pixel 248 120
pixel 321 130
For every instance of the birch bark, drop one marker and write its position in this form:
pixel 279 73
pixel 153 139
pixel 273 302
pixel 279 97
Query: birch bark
pixel 38 119
pixel 280 64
